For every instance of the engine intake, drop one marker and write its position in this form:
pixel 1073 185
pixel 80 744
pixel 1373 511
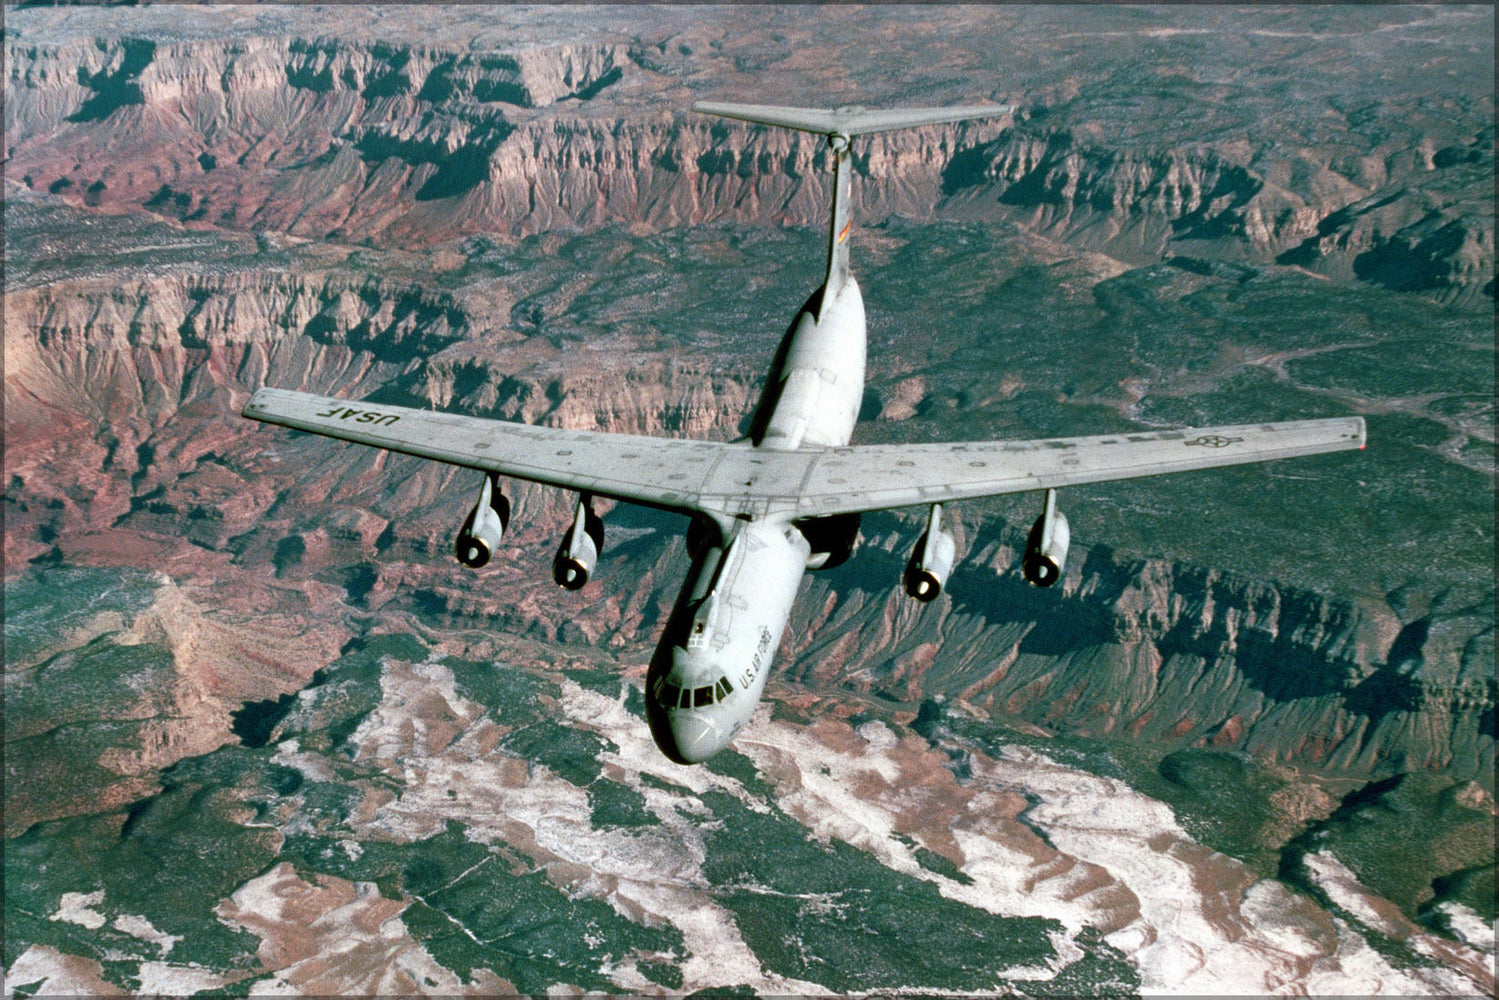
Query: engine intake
pixel 931 560
pixel 1046 548
pixel 479 538
pixel 579 553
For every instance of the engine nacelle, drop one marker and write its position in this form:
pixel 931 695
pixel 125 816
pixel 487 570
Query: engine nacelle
pixel 479 538
pixel 832 539
pixel 931 560
pixel 579 553
pixel 1046 549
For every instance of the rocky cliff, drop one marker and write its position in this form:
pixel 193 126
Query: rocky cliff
pixel 412 144
pixel 1170 652
pixel 1249 738
pixel 123 437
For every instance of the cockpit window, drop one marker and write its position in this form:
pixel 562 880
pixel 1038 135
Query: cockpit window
pixel 672 696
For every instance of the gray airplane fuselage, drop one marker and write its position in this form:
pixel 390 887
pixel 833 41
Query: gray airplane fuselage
pixel 710 667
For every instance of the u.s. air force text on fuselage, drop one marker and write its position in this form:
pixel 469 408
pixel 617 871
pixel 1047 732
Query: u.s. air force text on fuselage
pixel 788 499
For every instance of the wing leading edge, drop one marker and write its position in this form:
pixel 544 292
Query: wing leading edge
pixel 733 479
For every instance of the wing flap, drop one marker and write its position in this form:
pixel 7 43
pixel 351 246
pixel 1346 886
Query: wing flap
pixel 657 472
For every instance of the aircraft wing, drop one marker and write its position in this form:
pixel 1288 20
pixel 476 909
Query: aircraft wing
pixel 732 479
pixel 874 477
pixel 657 472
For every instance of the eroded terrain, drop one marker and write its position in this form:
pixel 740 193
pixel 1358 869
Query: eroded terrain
pixel 1246 745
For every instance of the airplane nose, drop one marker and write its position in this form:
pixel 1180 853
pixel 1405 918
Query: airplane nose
pixel 695 738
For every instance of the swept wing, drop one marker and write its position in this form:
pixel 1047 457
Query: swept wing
pixel 732 479
pixel 873 477
pixel 657 472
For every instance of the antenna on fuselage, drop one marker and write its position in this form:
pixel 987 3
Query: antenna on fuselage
pixel 840 125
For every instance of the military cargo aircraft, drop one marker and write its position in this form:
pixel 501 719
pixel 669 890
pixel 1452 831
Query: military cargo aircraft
pixel 788 498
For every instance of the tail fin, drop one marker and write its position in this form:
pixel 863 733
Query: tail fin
pixel 839 125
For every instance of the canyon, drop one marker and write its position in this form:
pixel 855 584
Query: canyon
pixel 504 220
pixel 369 139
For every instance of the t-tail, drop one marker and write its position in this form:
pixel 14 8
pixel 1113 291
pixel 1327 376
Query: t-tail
pixel 840 125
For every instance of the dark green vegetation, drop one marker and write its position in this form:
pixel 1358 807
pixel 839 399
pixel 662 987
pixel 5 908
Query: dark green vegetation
pixel 1209 351
pixel 46 606
pixel 1391 831
pixel 226 817
pixel 72 693
pixel 1003 338
pixel 172 857
pixel 933 862
pixel 476 906
pixel 1222 800
pixel 829 913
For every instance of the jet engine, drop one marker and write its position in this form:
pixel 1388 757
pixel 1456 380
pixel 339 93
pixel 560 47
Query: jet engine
pixel 1046 549
pixel 579 552
pixel 931 560
pixel 480 535
pixel 833 539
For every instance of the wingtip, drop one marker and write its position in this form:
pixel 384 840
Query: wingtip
pixel 258 404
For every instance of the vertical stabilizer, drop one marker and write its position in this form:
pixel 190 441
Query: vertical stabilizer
pixel 838 229
pixel 840 125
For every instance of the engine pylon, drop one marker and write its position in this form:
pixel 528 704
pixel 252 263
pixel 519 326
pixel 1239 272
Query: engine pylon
pixel 579 552
pixel 931 560
pixel 479 538
pixel 1046 548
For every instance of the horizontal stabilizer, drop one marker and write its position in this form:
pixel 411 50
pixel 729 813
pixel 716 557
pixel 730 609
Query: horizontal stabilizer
pixel 849 121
